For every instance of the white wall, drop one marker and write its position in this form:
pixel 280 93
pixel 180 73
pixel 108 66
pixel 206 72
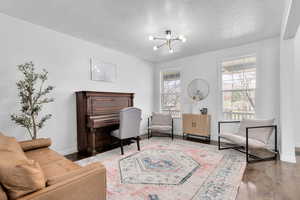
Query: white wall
pixel 67 60
pixel 297 85
pixel 207 66
pixel 287 108
pixel 288 85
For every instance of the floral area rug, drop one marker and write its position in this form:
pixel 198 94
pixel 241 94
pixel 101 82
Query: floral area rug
pixel 171 170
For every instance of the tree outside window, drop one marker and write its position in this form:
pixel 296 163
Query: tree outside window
pixel 238 88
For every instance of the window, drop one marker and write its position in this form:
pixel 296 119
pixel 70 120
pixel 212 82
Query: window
pixel 170 92
pixel 238 88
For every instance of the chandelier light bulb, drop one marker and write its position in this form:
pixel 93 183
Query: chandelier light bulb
pixel 155 48
pixel 171 51
pixel 168 36
pixel 151 37
pixel 182 38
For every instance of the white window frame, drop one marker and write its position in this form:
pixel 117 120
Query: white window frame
pixel 161 89
pixel 220 79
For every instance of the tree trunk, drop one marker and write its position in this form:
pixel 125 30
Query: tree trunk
pixel 34 128
pixel 32 118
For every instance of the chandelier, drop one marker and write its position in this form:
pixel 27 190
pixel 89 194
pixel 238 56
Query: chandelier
pixel 167 40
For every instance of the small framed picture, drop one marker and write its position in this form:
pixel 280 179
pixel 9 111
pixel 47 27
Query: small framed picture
pixel 103 71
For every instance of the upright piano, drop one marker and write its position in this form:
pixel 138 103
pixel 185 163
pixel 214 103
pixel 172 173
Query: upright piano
pixel 97 116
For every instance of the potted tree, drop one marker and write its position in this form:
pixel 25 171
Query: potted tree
pixel 33 95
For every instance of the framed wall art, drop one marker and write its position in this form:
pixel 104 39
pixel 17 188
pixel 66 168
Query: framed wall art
pixel 103 71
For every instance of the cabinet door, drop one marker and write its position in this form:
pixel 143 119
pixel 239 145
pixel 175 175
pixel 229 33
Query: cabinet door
pixel 196 124
pixel 203 125
pixel 190 123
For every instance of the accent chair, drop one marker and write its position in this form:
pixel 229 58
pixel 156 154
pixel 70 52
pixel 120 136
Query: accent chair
pixel 252 134
pixel 130 120
pixel 161 123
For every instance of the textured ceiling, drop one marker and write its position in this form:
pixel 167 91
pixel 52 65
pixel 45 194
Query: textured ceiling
pixel 126 24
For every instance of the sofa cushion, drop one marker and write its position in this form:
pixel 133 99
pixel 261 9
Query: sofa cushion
pixel 3 195
pixel 116 133
pixel 18 175
pixel 240 140
pixel 35 144
pixel 261 134
pixel 161 119
pixel 161 128
pixel 52 163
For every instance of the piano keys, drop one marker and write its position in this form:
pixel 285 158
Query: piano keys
pixel 97 116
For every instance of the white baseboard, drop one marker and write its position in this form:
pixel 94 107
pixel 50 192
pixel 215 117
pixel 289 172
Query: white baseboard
pixel 67 151
pixel 288 158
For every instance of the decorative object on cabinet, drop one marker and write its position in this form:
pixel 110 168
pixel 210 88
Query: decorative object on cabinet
pixel 196 125
pixel 204 111
pixel 103 71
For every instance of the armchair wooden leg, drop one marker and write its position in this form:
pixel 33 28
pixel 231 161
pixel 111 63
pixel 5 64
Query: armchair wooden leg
pixel 138 143
pixel 121 145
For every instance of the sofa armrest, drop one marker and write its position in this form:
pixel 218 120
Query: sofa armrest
pixel 89 184
pixel 78 172
pixel 35 144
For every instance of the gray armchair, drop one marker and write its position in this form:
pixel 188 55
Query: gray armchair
pixel 162 123
pixel 252 134
pixel 130 120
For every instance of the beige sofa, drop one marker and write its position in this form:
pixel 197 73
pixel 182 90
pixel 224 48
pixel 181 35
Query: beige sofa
pixel 65 180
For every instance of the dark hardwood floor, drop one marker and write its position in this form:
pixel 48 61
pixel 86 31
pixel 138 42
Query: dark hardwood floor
pixel 270 180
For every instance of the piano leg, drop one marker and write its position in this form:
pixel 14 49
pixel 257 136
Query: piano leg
pixel 138 143
pixel 121 144
pixel 92 142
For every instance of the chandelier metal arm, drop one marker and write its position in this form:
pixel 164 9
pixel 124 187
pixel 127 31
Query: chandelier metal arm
pixel 175 39
pixel 160 38
pixel 163 44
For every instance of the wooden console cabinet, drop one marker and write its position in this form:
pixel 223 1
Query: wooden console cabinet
pixel 196 125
